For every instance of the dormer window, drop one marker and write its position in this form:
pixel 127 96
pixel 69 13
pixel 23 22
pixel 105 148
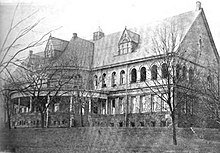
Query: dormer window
pixel 128 42
pixel 124 47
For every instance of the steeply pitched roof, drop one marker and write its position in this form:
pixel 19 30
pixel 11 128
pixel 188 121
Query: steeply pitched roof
pixel 57 44
pixel 79 53
pixel 106 49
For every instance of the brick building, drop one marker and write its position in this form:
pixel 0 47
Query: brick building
pixel 122 72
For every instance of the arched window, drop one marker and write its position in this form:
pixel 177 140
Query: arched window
pixel 122 77
pixel 103 80
pixel 78 79
pixel 191 74
pixel 133 75
pixel 209 80
pixel 184 72
pixel 143 74
pixel 113 79
pixel 164 70
pixel 178 68
pixel 95 80
pixel 154 72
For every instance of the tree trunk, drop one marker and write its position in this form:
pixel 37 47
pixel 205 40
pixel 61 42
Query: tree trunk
pixel 42 119
pixel 174 129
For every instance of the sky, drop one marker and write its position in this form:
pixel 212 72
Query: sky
pixel 85 16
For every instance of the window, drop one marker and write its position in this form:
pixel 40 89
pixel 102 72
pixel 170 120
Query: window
pixel 134 107
pixel 95 107
pixel 113 79
pixel 124 47
pixel 154 72
pixel 142 100
pixel 145 102
pixel 103 107
pixel 164 105
pixel 155 103
pixel 56 107
pixel 78 79
pixel 95 80
pixel 190 106
pixel 133 75
pixel 178 68
pixel 143 74
pixel 121 106
pixel 122 77
pixel 184 72
pixel 113 106
pixel 191 74
pixel 103 80
pixel 164 70
pixel 183 107
pixel 209 79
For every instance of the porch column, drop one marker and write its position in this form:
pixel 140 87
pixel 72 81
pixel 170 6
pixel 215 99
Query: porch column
pixel 137 110
pixel 19 104
pixel 90 103
pixel 47 111
pixel 71 110
pixel 71 103
pixel 111 109
pixel 117 105
pixel 106 106
pixel 101 107
pixel 30 108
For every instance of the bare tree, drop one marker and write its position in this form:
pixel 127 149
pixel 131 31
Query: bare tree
pixel 16 42
pixel 208 88
pixel 44 81
pixel 172 80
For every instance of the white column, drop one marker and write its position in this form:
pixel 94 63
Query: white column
pixel 71 103
pixel 47 111
pixel 71 110
pixel 117 105
pixel 111 106
pixel 138 104
pixel 106 107
pixel 19 104
pixel 30 108
pixel 90 103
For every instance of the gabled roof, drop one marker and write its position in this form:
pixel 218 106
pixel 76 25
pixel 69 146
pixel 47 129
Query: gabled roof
pixel 130 35
pixel 57 44
pixel 106 49
pixel 79 53
pixel 134 36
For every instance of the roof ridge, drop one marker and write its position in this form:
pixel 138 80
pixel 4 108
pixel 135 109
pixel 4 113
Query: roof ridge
pixel 59 38
pixel 151 22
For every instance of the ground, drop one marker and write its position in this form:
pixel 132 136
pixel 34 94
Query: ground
pixel 96 139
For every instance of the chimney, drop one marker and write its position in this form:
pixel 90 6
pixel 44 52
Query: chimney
pixel 74 35
pixel 98 34
pixel 198 5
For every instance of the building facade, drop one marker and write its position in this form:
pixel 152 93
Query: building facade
pixel 125 75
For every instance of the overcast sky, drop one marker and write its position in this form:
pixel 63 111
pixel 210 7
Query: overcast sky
pixel 84 16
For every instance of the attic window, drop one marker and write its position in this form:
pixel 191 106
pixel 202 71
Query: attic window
pixel 124 47
pixel 128 42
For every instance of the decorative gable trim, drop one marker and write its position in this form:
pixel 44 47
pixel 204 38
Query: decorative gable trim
pixel 130 36
pixel 128 42
pixel 124 36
